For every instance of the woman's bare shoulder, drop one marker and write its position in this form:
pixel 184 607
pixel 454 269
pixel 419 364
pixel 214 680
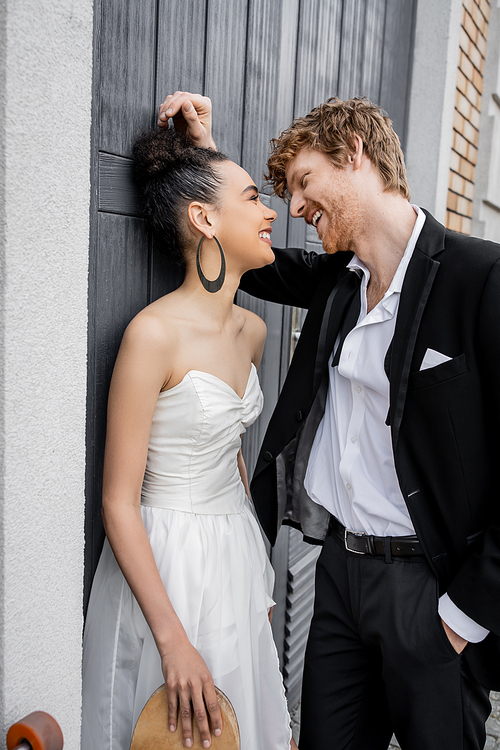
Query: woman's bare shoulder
pixel 153 336
pixel 254 324
pixel 149 348
pixel 255 330
pixel 148 328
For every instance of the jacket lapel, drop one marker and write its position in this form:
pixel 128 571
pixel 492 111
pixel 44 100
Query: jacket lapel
pixel 417 286
pixel 336 305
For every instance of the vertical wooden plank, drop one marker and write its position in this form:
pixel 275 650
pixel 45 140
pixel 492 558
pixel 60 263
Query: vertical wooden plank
pixel 180 66
pixel 261 84
pixel 226 34
pixel 127 59
pixel 396 65
pixel 269 79
pixel 121 275
pixel 373 44
pixel 351 49
pixel 165 276
pixel 181 47
pixel 92 540
pixel 317 71
pixel 285 100
pixel 122 267
pixel 271 362
pixel 318 53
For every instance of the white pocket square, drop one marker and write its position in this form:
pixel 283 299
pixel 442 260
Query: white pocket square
pixel 433 358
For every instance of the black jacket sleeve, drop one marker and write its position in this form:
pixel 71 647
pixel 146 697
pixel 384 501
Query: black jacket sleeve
pixel 293 277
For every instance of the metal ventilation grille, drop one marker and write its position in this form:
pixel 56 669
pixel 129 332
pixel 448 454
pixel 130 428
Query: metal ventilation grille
pixel 299 608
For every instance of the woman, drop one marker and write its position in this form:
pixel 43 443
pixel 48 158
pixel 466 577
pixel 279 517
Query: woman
pixel 183 586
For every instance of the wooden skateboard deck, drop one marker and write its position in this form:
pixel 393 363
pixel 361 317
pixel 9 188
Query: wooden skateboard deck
pixel 152 733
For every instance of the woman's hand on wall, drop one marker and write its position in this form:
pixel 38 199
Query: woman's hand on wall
pixel 191 115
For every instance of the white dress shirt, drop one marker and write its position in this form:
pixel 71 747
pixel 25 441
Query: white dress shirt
pixel 351 470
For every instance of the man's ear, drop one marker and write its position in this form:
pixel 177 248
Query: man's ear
pixel 357 152
pixel 199 219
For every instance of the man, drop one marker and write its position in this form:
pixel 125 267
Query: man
pixel 384 441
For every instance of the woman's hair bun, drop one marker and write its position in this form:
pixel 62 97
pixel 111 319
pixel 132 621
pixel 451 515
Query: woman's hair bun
pixel 170 173
pixel 158 151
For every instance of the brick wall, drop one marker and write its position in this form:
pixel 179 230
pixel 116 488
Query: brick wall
pixel 473 36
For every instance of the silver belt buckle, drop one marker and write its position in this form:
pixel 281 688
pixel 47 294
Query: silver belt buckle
pixel 354 533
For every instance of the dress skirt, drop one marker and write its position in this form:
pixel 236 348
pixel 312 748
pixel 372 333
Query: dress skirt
pixel 219 580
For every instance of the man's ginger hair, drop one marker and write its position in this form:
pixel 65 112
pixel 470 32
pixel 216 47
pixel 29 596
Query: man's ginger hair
pixel 330 129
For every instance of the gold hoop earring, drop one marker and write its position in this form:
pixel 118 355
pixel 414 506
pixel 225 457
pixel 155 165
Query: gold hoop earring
pixel 216 284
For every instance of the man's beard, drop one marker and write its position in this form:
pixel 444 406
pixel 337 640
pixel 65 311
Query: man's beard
pixel 344 220
pixel 341 236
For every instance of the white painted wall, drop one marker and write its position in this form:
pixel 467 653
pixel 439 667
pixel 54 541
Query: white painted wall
pixel 45 98
pixel 432 101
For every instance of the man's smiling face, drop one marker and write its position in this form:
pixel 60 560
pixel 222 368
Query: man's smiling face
pixel 325 196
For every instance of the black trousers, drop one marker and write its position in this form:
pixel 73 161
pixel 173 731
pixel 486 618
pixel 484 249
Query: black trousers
pixel 378 661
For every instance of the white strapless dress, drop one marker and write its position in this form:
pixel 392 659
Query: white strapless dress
pixel 212 561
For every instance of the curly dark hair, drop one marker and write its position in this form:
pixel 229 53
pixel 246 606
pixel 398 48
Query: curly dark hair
pixel 171 173
pixel 330 128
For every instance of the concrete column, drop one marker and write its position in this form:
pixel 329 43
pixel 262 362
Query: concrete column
pixel 432 101
pixel 45 96
pixel 486 210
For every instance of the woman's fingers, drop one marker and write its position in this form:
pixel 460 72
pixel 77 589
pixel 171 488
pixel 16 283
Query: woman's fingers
pixel 200 701
pixel 186 716
pixel 200 715
pixel 187 121
pixel 173 103
pixel 213 708
pixel 172 706
pixel 190 690
pixel 191 114
pixel 170 107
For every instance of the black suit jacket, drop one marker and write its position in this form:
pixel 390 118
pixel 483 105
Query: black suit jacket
pixel 445 421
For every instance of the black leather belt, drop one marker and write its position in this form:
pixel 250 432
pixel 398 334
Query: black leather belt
pixel 386 546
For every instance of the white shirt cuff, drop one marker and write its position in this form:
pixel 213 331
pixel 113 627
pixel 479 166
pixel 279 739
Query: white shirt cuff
pixel 459 622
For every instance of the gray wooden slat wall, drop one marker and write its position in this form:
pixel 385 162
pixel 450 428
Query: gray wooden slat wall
pixel 262 62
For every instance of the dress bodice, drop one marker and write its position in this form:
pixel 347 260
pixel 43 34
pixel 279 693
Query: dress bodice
pixel 194 442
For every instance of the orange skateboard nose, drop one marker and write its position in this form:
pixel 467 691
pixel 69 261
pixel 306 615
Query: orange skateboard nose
pixel 152 733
